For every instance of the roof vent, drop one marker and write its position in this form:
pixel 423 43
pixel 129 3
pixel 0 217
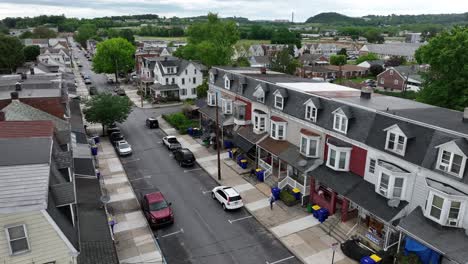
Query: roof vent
pixel 465 115
pixel 366 92
pixel 18 86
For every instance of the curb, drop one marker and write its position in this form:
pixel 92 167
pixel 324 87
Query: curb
pixel 251 213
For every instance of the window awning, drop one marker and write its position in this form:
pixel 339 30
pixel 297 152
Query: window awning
pixel 243 143
pixel 451 242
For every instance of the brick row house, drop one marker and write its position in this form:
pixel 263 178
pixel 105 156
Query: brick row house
pixel 384 164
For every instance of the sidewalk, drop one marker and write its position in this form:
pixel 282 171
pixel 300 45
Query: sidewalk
pixel 135 242
pixel 131 92
pixel 298 230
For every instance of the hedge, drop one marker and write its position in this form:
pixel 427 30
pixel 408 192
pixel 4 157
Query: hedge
pixel 180 122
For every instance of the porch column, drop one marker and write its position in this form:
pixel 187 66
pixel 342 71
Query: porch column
pixel 333 203
pixel 344 210
pixel 312 190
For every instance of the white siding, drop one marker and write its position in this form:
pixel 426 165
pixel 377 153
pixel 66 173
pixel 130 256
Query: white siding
pixel 45 243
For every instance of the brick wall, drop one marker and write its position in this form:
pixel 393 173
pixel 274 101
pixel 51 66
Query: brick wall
pixel 389 80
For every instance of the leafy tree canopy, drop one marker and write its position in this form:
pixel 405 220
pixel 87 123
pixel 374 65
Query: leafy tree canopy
pixel 211 42
pixel 124 33
pixel 106 109
pixel 376 69
pixel 85 32
pixel 202 89
pixel 446 82
pixel 11 53
pixel 342 51
pixel 374 36
pixel 44 32
pixel 367 57
pixel 395 61
pixel 338 60
pixel 284 36
pixel 283 62
pixel 31 52
pixel 113 56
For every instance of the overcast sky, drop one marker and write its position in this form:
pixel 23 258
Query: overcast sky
pixel 252 9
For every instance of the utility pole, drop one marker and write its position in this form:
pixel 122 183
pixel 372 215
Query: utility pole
pixel 217 137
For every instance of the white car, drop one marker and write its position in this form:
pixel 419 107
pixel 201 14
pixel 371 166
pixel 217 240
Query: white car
pixel 228 197
pixel 123 148
pixel 171 143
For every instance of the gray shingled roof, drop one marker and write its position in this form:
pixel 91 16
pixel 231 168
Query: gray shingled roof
pixel 63 193
pixel 25 151
pixel 340 181
pixel 84 166
pixel 395 49
pixel 63 221
pixel 452 242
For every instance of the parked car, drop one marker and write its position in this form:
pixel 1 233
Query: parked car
pixel 112 128
pixel 116 137
pixel 228 197
pixel 123 148
pixel 171 143
pixel 93 90
pixel 184 157
pixel 152 122
pixel 157 210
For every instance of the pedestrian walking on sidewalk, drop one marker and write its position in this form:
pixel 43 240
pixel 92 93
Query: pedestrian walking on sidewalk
pixel 271 199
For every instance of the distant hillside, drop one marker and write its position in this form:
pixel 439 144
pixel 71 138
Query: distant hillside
pixel 334 18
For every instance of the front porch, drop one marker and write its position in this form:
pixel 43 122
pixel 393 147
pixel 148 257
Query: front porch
pixel 268 151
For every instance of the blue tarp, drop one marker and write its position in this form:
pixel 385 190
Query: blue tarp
pixel 425 254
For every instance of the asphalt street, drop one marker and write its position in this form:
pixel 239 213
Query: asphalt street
pixel 202 232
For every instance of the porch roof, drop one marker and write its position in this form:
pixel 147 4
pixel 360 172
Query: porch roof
pixel 243 143
pixel 365 196
pixel 210 112
pixel 273 146
pixel 447 240
pixel 340 181
pixel 161 87
pixel 293 157
pixel 247 133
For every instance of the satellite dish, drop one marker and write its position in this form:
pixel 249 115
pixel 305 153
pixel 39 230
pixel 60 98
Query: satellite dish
pixel 302 163
pixel 393 203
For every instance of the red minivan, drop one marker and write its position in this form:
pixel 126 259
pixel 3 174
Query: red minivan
pixel 157 210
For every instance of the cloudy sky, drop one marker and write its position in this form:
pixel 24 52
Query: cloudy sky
pixel 253 9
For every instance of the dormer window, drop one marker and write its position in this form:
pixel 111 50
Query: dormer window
pixel 451 159
pixel 227 81
pixel 396 140
pixel 279 101
pixel 340 123
pixel 311 110
pixel 212 77
pixel 259 94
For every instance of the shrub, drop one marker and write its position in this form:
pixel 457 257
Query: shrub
pixel 180 122
pixel 287 197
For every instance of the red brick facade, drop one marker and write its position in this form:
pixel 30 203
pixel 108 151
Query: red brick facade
pixel 51 105
pixel 391 79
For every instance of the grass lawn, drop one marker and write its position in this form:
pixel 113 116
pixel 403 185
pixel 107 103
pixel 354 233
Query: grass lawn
pixel 160 38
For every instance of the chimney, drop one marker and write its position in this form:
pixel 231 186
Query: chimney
pixel 366 92
pixel 14 95
pixel 465 115
pixel 18 86
pixel 32 71
pixel 263 70
pixel 2 116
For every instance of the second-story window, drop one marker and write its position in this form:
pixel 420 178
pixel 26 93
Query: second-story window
pixel 278 130
pixel 338 158
pixel 309 146
pixel 194 71
pixel 186 71
pixel 173 80
pixel 167 80
pixel 183 81
pixel 17 237
pixel 259 124
pixel 211 97
pixel 227 106
pixel 194 80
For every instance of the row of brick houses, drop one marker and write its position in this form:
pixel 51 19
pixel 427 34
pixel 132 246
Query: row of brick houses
pixel 395 167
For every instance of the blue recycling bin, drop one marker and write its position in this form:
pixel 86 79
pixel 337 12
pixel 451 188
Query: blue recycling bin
pixel 94 150
pixel 260 175
pixel 230 153
pixel 243 164
pixel 190 131
pixel 322 214
pixel 315 209
pixel 367 260
pixel 96 139
pixel 239 158
pixel 276 192
pixel 227 144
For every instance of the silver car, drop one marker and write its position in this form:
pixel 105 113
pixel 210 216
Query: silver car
pixel 123 148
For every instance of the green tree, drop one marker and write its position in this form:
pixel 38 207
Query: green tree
pixel 107 109
pixel 26 34
pixel 395 61
pixel 241 62
pixel 85 32
pixel 11 53
pixel 44 32
pixel 343 52
pixel 338 60
pixel 31 52
pixel 284 36
pixel 373 36
pixel 202 89
pixel 113 56
pixel 376 69
pixel 283 62
pixel 367 57
pixel 446 82
pixel 210 42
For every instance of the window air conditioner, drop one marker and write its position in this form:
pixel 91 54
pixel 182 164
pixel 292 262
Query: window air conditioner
pixel 452 222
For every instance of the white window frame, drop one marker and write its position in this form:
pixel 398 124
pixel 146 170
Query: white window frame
pixel 396 143
pixel 261 99
pixel 227 106
pixel 258 127
pixel 25 237
pixel 309 140
pixel 391 72
pixel 340 123
pixel 447 167
pixel 372 166
pixel 183 92
pixel 311 112
pixel 212 77
pixel 382 80
pixel 275 130
pixel 211 98
pixel 227 83
pixel 395 82
pixel 444 218
pixel 278 97
pixel 339 151
pixel 389 191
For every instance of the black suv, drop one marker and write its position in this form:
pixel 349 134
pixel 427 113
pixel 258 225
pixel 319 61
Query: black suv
pixel 116 137
pixel 152 122
pixel 112 128
pixel 185 157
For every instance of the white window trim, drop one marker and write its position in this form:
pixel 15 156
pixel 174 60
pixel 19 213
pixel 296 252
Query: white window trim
pixel 389 192
pixel 227 106
pixel 212 77
pixel 276 130
pixel 449 166
pixel 444 215
pixel 227 83
pixel 309 139
pixel 345 150
pixel 25 236
pixel 341 117
pixel 313 112
pixel 211 99
pixel 370 165
pixel 277 97
pixel 256 126
pixel 396 143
